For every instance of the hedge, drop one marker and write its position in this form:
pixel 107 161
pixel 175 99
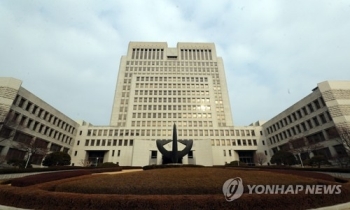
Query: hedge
pixel 40 199
pixel 48 177
pixel 335 170
pixel 148 167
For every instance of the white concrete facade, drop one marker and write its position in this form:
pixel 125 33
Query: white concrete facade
pixel 158 86
pixel 24 116
pixel 311 122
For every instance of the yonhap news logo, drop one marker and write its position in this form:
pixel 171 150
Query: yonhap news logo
pixel 233 189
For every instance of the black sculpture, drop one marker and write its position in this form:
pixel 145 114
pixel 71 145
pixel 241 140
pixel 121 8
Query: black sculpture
pixel 174 155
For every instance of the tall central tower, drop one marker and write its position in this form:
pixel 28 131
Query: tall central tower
pixel 158 86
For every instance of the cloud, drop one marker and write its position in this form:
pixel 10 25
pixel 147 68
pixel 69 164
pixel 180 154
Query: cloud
pixel 274 52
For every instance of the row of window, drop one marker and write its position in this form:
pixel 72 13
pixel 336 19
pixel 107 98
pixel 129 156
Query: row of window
pixel 108 142
pixel 172 85
pixel 168 132
pixel 41 113
pixel 172 92
pixel 234 142
pixel 170 115
pixel 150 54
pixel 170 63
pixel 304 111
pixel 172 79
pixel 41 128
pixel 171 107
pixel 171 70
pixel 302 127
pixel 164 123
pixel 196 54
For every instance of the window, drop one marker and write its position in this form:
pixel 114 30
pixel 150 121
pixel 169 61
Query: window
pixel 311 108
pixel 154 154
pixel 75 153
pixel 190 154
pixel 316 121
pixel 323 118
pixel 317 104
pixel 112 153
pixel 78 142
pixel 118 153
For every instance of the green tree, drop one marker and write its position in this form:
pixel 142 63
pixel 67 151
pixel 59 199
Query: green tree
pixel 283 157
pixel 57 159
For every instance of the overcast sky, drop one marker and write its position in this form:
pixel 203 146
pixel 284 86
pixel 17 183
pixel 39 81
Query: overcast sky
pixel 275 52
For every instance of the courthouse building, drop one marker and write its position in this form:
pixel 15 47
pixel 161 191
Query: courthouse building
pixel 158 86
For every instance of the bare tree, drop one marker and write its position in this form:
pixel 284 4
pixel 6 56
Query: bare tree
pixel 32 147
pixel 260 158
pixel 85 163
pixel 299 146
pixel 344 137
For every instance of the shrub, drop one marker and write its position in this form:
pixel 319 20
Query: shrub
pixel 236 163
pixel 319 160
pixel 18 163
pixel 36 197
pixel 171 166
pixel 107 164
pixel 46 177
pixel 283 157
pixel 57 159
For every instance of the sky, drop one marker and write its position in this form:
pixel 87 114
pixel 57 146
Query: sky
pixel 275 52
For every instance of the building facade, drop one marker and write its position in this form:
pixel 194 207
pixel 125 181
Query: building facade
pixel 310 126
pixel 158 86
pixel 28 123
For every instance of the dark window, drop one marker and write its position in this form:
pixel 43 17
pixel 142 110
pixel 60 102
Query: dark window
pixel 309 123
pixel 317 104
pixel 78 142
pixel 153 154
pixel 190 154
pixel 311 108
pixel 299 114
pixel 316 121
pixel 323 118
pixel 304 126
pixel 304 110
